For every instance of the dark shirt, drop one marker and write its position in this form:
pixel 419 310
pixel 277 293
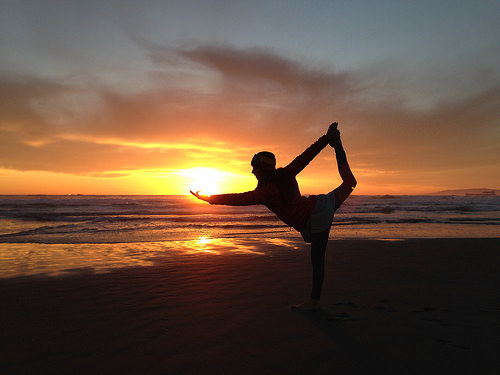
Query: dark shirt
pixel 294 213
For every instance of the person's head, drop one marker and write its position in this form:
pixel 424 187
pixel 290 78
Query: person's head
pixel 263 164
pixel 264 168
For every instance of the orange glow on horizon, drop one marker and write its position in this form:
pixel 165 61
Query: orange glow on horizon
pixel 179 182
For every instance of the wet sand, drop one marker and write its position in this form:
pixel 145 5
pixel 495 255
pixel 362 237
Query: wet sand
pixel 401 307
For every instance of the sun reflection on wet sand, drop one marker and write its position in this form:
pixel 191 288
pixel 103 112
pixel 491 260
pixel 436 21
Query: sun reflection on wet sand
pixel 213 245
pixel 284 242
pixel 63 259
pixel 23 259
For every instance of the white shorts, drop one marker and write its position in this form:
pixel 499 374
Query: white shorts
pixel 321 217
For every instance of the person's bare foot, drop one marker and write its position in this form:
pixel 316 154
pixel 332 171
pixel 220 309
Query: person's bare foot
pixel 308 306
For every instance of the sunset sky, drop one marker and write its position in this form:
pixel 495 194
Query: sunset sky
pixel 147 97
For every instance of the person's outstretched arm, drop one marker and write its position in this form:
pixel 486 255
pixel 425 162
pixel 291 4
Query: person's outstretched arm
pixel 348 181
pixel 238 199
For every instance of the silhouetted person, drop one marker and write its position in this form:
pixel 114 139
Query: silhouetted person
pixel 311 215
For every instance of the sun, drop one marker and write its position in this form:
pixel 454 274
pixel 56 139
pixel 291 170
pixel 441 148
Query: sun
pixel 204 180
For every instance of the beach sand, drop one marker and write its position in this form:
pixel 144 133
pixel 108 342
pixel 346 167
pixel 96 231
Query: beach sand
pixel 391 307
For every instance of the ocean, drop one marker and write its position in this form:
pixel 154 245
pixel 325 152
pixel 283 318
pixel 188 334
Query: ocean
pixel 63 234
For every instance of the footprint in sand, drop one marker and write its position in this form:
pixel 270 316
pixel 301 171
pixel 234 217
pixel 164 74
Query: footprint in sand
pixel 442 322
pixel 341 317
pixel 451 343
pixel 345 304
pixel 434 310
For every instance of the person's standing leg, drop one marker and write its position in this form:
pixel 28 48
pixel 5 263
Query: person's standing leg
pixel 318 250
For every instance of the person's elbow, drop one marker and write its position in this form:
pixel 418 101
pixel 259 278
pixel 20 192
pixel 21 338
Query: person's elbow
pixel 351 181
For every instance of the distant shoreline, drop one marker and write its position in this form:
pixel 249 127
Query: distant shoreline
pixel 472 192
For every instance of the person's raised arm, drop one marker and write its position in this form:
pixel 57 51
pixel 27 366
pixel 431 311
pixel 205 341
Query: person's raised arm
pixel 301 161
pixel 348 180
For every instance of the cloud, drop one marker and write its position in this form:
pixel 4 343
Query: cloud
pixel 257 98
pixel 81 157
pixel 20 98
pixel 218 105
pixel 458 133
pixel 255 89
